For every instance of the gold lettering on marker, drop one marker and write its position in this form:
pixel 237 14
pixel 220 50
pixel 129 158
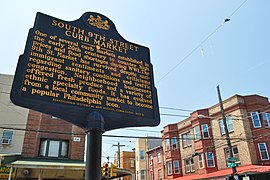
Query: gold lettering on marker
pixel 88 69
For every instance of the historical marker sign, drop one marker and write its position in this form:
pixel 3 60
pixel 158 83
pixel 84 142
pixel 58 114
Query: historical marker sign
pixel 70 69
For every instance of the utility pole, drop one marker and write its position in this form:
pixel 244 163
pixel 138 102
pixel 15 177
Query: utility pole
pixel 118 153
pixel 226 129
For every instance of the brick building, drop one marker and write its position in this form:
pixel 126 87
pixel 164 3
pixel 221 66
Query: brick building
pixel 142 146
pixel 156 163
pixel 202 142
pixel 52 148
pixel 171 150
pixel 127 162
pixel 52 134
pixel 196 144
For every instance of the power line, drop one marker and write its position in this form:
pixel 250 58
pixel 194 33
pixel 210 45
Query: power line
pixel 118 136
pixel 201 43
pixel 176 115
pixel 176 109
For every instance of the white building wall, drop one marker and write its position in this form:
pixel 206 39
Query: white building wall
pixel 11 116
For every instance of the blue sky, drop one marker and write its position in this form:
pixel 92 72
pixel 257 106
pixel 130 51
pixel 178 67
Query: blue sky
pixel 189 57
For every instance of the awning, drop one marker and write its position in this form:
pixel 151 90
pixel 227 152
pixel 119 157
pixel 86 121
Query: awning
pixel 8 158
pixel 42 164
pixel 241 170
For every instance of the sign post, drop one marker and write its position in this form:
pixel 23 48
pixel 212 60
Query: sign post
pixel 86 73
pixel 93 150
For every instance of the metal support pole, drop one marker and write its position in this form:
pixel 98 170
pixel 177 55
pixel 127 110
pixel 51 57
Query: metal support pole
pixel 10 173
pixel 226 128
pixel 94 143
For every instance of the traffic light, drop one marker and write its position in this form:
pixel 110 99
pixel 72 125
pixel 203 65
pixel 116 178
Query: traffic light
pixel 105 170
pixel 113 170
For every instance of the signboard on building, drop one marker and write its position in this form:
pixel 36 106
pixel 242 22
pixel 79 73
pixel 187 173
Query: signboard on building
pixel 72 68
pixel 5 171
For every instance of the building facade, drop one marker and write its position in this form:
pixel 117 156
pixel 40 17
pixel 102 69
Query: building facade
pixel 12 125
pixel 52 148
pixel 12 119
pixel 142 146
pixel 203 148
pixel 171 150
pixel 247 120
pixel 127 161
pixel 156 163
pixel 196 144
pixel 54 138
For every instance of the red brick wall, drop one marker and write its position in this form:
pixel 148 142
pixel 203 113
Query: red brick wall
pixel 156 166
pixel 41 125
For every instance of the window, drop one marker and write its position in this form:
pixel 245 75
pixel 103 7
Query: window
pixel 167 144
pixel 187 165
pixel 256 119
pixel 200 161
pixel 197 133
pixel 266 119
pixel 159 174
pixel 229 125
pixel 234 152
pixel 141 154
pixel 7 136
pixel 176 169
pixel 174 143
pixel 205 131
pixel 142 174
pixel 151 160
pixel 158 158
pixel 186 139
pixel 263 151
pixel 210 159
pixel 169 168
pixel 132 163
pixel 152 175
pixel 192 165
pixel 189 139
pixel 53 148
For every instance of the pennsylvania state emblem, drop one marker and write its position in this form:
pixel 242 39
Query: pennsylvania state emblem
pixel 98 22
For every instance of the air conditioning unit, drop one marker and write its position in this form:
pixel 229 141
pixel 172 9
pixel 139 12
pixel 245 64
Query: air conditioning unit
pixel 5 141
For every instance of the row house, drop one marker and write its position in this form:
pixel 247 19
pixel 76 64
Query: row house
pixel 196 144
pixel 127 162
pixel 156 163
pixel 142 157
pixel 35 145
pixel 172 156
pixel 196 148
pixel 52 149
